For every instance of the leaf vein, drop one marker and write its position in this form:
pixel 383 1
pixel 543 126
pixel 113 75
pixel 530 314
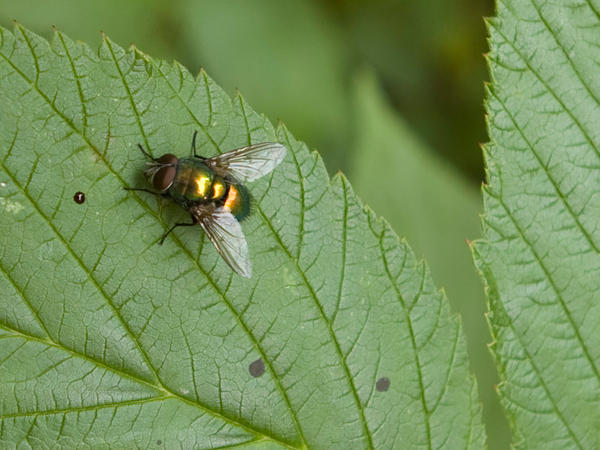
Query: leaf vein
pixel 564 52
pixel 25 300
pixel 562 301
pixel 86 270
pixel 302 198
pixel 546 389
pixel 562 197
pixel 77 83
pixel 413 341
pixel 83 408
pixel 550 91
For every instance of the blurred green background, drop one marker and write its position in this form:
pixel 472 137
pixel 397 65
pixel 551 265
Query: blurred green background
pixel 390 92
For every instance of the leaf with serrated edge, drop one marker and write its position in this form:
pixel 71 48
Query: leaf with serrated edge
pixel 540 257
pixel 110 339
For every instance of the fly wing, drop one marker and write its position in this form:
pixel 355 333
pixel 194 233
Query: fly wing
pixel 225 232
pixel 247 163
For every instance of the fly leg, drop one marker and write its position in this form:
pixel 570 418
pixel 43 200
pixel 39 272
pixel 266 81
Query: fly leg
pixel 145 190
pixel 145 152
pixel 194 146
pixel 179 224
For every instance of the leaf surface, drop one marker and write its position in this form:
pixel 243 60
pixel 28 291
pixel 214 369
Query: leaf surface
pixel 540 257
pixel 339 339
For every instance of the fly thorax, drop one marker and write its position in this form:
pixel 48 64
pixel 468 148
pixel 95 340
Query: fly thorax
pixel 194 182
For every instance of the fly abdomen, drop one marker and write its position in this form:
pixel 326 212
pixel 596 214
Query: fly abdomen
pixel 238 201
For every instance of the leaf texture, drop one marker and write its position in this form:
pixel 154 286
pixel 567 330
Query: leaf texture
pixel 340 339
pixel 540 257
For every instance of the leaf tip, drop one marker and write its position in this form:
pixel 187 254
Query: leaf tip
pixel 488 22
pixel 56 33
pixel 18 26
pixel 282 130
pixel 239 95
pixel 340 177
pixel 202 74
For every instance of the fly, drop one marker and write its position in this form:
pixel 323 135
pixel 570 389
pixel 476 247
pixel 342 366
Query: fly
pixel 212 191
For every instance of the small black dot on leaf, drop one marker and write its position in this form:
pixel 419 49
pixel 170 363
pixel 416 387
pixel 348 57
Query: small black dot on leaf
pixel 257 368
pixel 79 197
pixel 383 384
pixel 159 442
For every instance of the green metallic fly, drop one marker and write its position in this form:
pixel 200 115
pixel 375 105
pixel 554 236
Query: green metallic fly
pixel 211 190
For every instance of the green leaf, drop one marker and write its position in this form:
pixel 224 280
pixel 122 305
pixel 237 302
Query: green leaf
pixel 111 340
pixel 437 210
pixel 540 257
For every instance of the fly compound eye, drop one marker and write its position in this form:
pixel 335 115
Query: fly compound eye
pixel 163 178
pixel 167 158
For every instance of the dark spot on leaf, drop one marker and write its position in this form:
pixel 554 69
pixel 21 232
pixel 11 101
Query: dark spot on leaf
pixel 79 197
pixel 257 368
pixel 159 442
pixel 383 384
